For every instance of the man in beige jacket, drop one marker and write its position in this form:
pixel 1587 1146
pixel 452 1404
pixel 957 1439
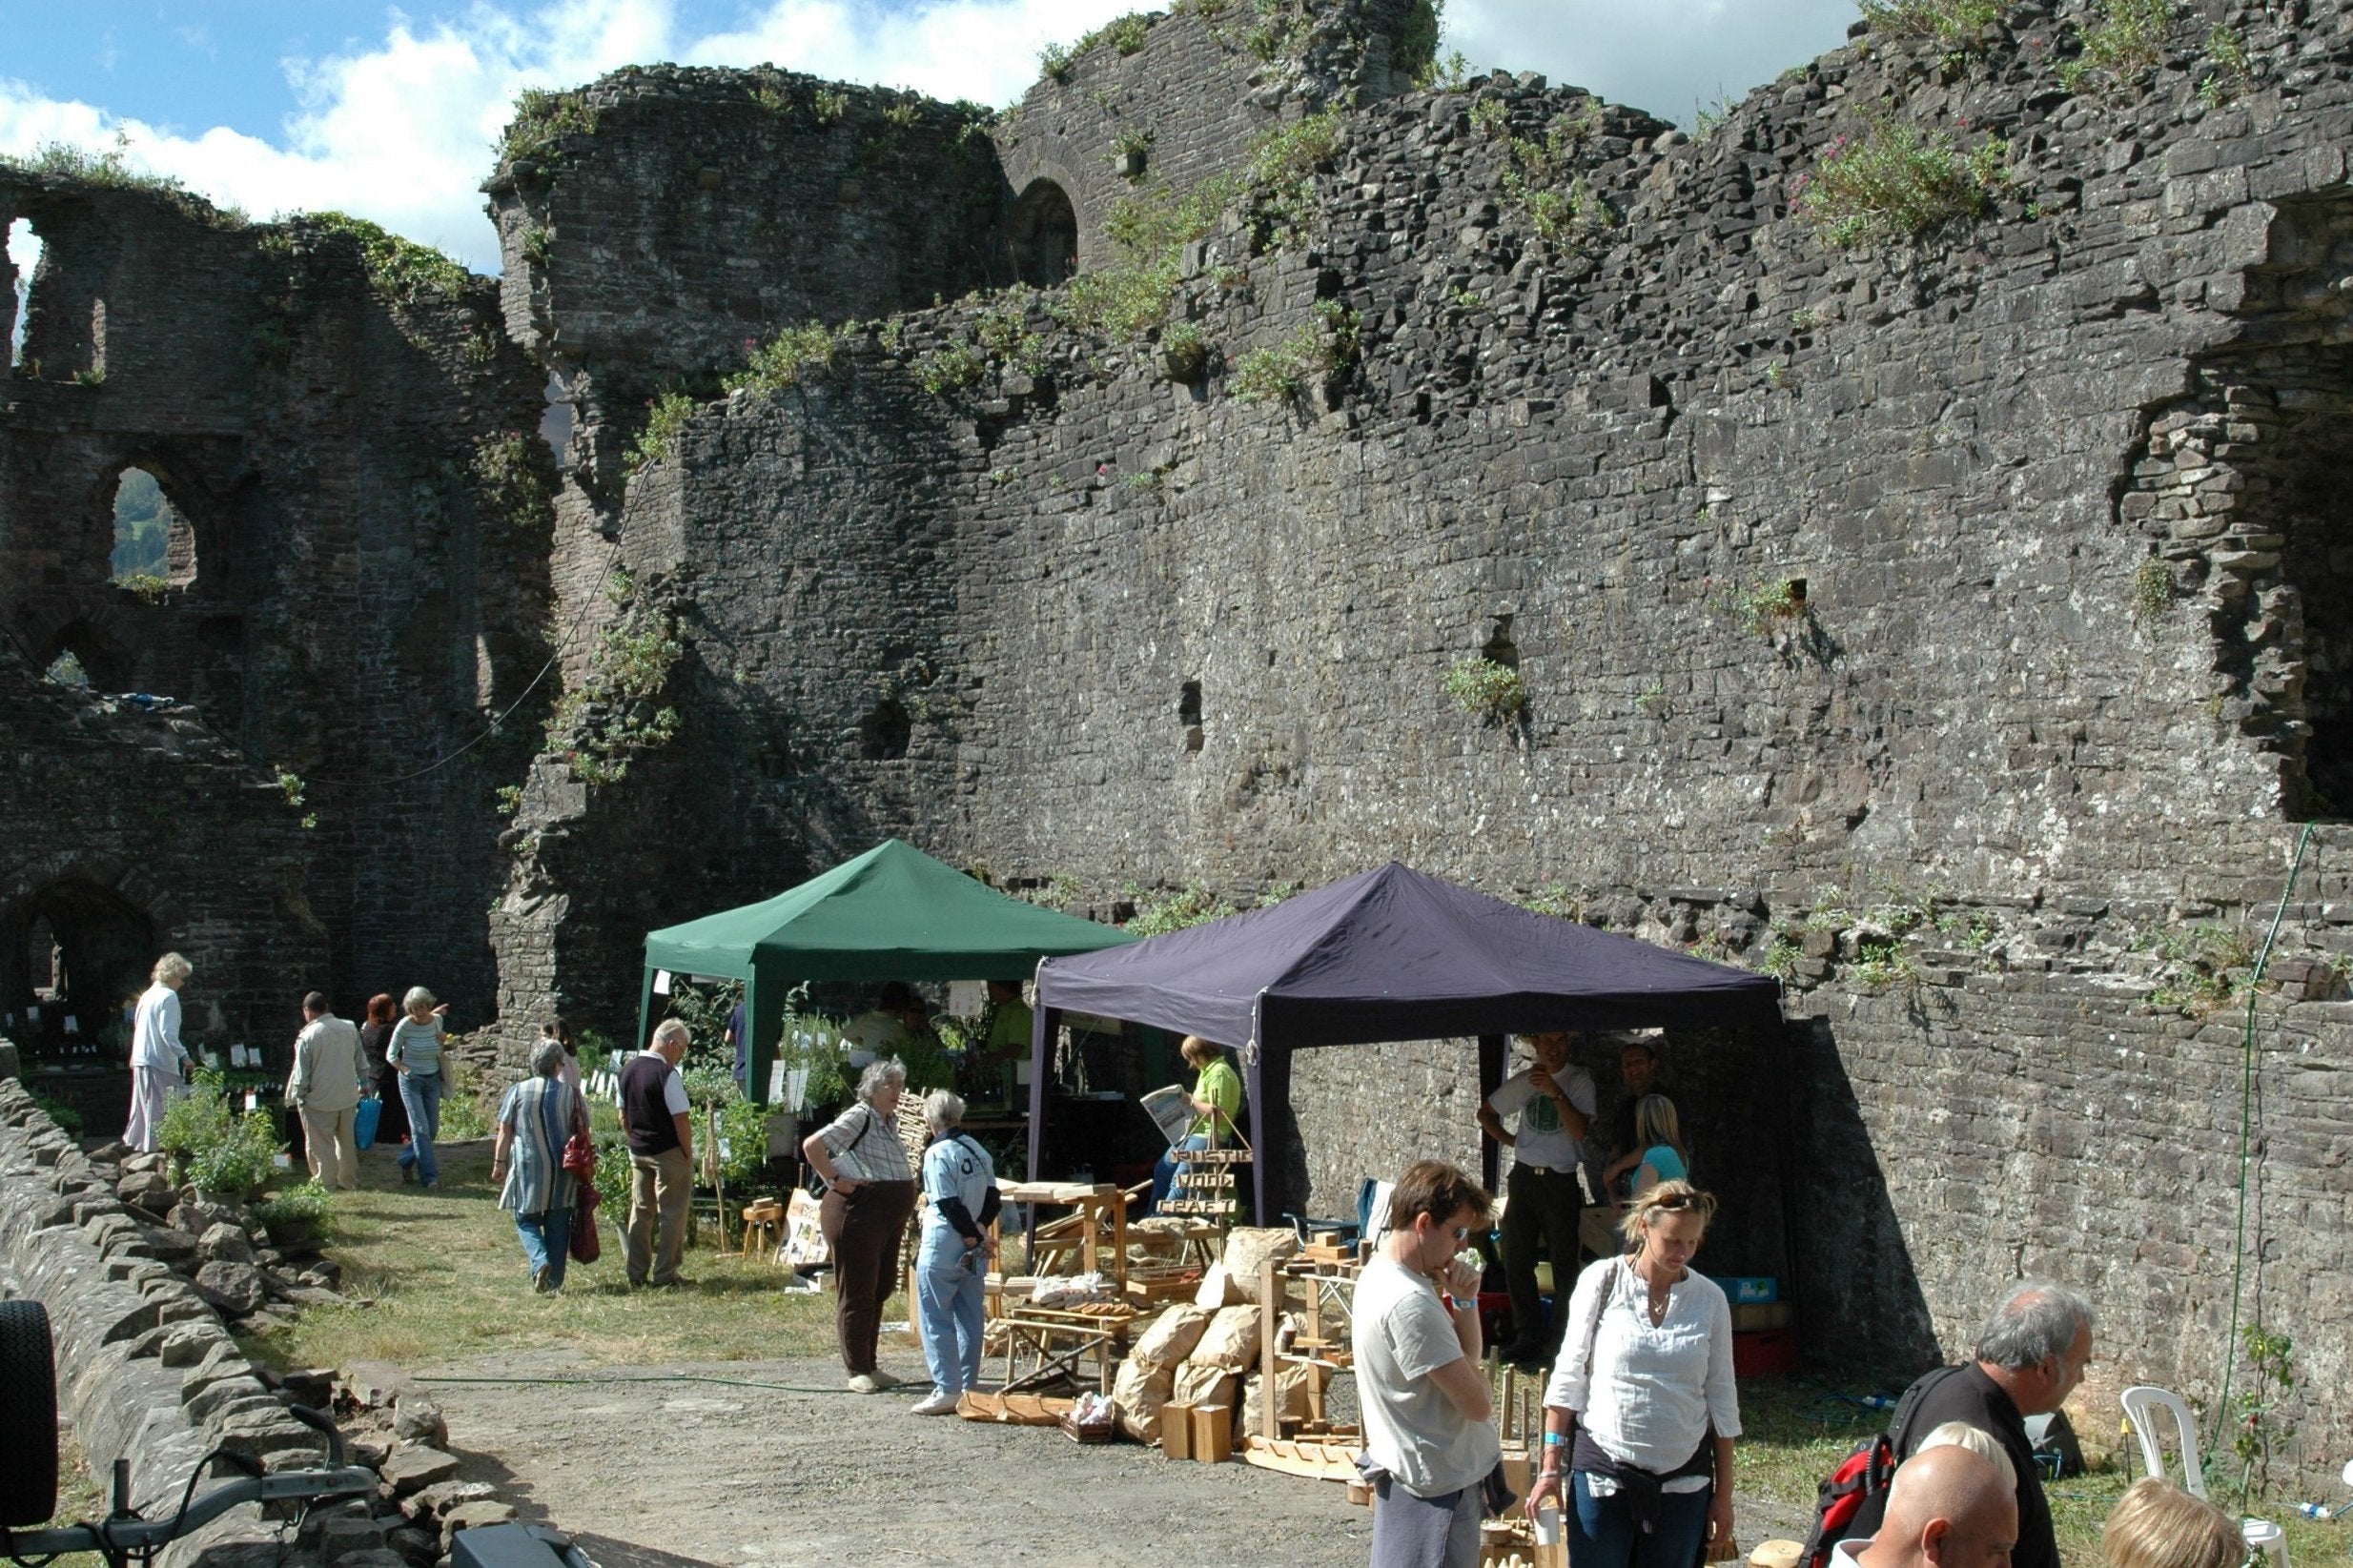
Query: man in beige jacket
pixel 328 1068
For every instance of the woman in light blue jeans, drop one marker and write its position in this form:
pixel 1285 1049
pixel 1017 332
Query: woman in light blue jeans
pixel 959 1186
pixel 415 1049
pixel 537 1117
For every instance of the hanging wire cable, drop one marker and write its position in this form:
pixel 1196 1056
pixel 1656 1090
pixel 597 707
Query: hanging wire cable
pixel 2246 1142
pixel 570 637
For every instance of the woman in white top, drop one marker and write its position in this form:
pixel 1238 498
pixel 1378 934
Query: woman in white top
pixel 158 1061
pixel 1640 1413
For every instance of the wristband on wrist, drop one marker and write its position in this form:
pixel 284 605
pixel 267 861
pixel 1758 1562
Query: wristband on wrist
pixel 1555 1439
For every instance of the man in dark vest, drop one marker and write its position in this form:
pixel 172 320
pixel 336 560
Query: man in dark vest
pixel 653 1117
pixel 2030 1355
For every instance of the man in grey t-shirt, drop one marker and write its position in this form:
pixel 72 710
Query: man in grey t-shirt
pixel 1430 1444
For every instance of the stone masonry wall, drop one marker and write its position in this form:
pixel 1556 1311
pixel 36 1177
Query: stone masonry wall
pixel 1945 626
pixel 351 447
pixel 137 832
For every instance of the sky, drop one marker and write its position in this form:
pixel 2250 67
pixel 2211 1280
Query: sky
pixel 390 113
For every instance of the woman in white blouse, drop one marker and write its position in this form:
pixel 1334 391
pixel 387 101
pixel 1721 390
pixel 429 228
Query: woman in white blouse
pixel 158 1061
pixel 1641 1413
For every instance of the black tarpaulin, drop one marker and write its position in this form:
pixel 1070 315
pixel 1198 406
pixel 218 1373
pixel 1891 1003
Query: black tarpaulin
pixel 1388 954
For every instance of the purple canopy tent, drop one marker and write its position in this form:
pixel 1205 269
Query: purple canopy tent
pixel 1387 954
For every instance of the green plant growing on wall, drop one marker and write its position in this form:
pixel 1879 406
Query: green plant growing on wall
pixel 1770 604
pixel 788 360
pixel 2152 589
pixel 542 121
pixel 1414 49
pixel 1055 60
pixel 510 799
pixel 830 106
pixel 400 270
pixel 144 586
pixel 1191 907
pixel 1315 354
pixel 1562 209
pixel 1487 690
pixel 617 709
pixel 1003 329
pixel 536 240
pixel 2201 967
pixel 1127 33
pixel 511 487
pixel 1280 176
pixel 950 366
pixel 667 416
pixel 1954 24
pixel 2233 71
pixel 1893 183
pixel 2124 42
pixel 112 169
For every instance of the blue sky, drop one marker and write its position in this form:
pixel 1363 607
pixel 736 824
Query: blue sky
pixel 390 112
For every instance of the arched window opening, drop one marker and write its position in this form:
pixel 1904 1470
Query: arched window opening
pixel 1043 233
pixel 80 656
pixel 153 545
pixel 73 954
pixel 25 258
pixel 557 419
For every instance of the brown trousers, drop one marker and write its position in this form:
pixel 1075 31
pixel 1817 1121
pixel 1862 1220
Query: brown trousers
pixel 865 1229
pixel 659 1187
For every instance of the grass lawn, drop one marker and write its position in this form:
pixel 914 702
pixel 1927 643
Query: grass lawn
pixel 81 1499
pixel 439 1277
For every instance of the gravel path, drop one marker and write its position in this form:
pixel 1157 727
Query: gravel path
pixel 688 1472
pixel 672 1474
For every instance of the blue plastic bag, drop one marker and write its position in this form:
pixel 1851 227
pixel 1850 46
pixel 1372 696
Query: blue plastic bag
pixel 366 1120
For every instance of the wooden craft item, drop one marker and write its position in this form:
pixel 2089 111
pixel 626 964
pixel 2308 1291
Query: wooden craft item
pixel 1176 1431
pixel 1212 1432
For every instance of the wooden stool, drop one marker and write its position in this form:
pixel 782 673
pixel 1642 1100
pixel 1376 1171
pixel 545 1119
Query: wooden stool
pixel 764 1227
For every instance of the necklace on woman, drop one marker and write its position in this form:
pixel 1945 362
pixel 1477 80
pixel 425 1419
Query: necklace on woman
pixel 1659 1293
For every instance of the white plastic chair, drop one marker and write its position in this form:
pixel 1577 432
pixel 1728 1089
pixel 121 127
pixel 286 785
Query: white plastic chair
pixel 2141 1404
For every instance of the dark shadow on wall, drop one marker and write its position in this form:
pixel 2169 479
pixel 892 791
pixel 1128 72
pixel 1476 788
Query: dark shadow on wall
pixel 1860 1305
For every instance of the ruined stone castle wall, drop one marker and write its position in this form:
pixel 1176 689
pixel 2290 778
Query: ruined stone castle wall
pixel 362 580
pixel 1949 627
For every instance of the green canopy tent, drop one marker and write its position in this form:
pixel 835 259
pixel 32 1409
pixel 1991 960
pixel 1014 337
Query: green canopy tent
pixel 893 913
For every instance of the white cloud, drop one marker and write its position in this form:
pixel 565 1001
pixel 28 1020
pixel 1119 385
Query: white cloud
pixel 402 133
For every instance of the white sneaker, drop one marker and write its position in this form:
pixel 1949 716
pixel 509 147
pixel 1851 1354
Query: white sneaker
pixel 938 1402
pixel 884 1379
pixel 862 1383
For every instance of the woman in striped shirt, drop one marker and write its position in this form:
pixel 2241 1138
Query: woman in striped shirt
pixel 537 1118
pixel 415 1049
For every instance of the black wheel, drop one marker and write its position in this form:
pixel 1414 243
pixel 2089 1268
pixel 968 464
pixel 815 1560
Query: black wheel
pixel 28 1417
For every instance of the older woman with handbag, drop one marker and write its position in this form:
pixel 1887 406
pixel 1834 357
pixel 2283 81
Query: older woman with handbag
pixel 870 1194
pixel 1640 1413
pixel 537 1120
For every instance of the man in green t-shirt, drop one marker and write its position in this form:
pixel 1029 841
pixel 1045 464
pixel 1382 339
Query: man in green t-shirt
pixel 1008 1042
pixel 1217 1101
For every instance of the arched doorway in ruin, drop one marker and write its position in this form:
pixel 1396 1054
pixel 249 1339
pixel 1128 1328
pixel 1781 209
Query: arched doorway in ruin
pixel 72 950
pixel 1042 233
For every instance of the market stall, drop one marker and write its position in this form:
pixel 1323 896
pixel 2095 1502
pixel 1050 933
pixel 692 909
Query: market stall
pixel 1388 954
pixel 892 913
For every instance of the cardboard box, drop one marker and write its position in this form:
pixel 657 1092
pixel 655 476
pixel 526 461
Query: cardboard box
pixel 1762 1314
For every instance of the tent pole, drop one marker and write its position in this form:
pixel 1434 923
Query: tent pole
pixel 1492 1059
pixel 644 1008
pixel 1044 1025
pixel 755 1081
pixel 1260 1151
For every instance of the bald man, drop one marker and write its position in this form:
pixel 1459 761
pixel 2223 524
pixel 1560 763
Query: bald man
pixel 1949 1508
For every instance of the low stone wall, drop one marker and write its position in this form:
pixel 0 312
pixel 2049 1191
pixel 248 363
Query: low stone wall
pixel 148 1371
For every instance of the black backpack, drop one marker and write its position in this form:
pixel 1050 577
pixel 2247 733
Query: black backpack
pixel 1866 1472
